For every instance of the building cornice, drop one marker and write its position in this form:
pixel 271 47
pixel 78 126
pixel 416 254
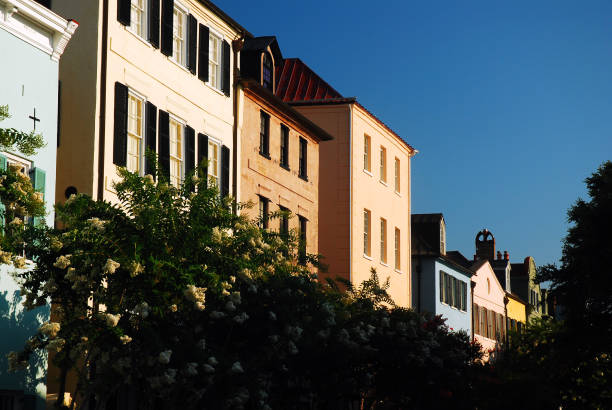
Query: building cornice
pixel 37 25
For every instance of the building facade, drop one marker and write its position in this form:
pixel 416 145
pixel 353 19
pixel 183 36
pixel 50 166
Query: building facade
pixel 32 40
pixel 146 76
pixel 440 285
pixel 524 285
pixel 516 310
pixel 279 150
pixel 364 196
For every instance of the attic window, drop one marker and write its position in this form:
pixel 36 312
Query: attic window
pixel 266 72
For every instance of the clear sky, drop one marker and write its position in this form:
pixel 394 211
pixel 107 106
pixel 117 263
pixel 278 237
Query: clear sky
pixel 508 102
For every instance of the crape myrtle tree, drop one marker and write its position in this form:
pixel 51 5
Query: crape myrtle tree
pixel 168 300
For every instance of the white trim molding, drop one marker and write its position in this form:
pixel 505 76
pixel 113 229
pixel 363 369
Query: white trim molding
pixel 37 25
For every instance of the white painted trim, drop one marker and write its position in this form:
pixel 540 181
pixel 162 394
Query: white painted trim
pixel 37 25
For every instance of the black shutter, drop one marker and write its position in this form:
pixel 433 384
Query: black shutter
pixel 203 54
pixel 192 43
pixel 203 154
pixel 167 20
pixel 154 23
pixel 225 167
pixel 121 119
pixel 164 144
pixel 189 150
pixel 124 9
pixel 225 57
pixel 150 136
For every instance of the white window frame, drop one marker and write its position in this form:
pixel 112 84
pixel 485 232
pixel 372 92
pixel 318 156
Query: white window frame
pixel 367 153
pixel 178 121
pixel 182 61
pixel 383 241
pixel 217 178
pixel 383 164
pixel 143 99
pixel 12 159
pixel 144 19
pixel 367 232
pixel 218 71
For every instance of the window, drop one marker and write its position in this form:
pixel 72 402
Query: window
pixel 463 296
pixel 475 318
pixel 302 243
pixel 383 164
pixel 266 72
pixel 264 135
pixel 482 325
pixel 264 204
pixel 18 164
pixel 214 60
pixel 366 153
pixel 176 151
pixel 213 163
pixel 138 18
pixel 179 27
pixel 366 232
pixel 383 240
pixel 135 133
pixel 284 147
pixel 397 249
pixel 303 173
pixel 284 222
pixel 397 175
pixel 453 291
pixel 490 324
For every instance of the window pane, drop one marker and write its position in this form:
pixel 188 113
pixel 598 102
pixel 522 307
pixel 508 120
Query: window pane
pixel 383 164
pixel 397 249
pixel 135 127
pixel 366 153
pixel 366 232
pixel 383 240
pixel 176 152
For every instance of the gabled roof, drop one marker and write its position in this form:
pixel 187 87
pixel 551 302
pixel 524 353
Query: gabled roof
pixel 261 44
pixel 426 218
pixel 297 82
pixel 459 258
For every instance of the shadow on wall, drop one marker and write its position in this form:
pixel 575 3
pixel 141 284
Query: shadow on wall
pixel 16 326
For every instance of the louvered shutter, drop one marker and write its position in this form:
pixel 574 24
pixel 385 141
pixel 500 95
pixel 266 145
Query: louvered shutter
pixel 150 137
pixel 225 170
pixel 189 150
pixel 37 176
pixel 225 57
pixel 203 154
pixel 120 129
pixel 2 168
pixel 124 9
pixel 192 43
pixel 167 21
pixel 154 23
pixel 164 144
pixel 203 54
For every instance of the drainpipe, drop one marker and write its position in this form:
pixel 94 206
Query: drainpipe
pixel 506 300
pixel 103 68
pixel 236 47
pixel 472 286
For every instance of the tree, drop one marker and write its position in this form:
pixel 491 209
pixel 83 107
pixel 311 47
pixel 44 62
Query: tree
pixel 170 298
pixel 10 138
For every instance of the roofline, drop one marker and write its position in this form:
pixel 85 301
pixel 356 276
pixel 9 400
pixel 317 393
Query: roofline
pixel 456 265
pixel 353 100
pixel 318 133
pixel 235 25
pixel 515 297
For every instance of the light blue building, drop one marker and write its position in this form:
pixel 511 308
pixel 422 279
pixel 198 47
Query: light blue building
pixel 32 39
pixel 441 286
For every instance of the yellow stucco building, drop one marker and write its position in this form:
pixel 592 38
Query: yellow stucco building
pixel 516 316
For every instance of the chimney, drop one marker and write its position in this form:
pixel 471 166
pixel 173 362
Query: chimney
pixel 499 255
pixel 485 245
pixel 506 256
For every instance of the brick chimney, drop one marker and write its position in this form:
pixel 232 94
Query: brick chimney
pixel 485 245
pixel 506 256
pixel 499 256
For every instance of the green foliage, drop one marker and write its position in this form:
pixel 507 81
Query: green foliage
pixel 10 138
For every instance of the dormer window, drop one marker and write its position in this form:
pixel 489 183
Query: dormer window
pixel 266 72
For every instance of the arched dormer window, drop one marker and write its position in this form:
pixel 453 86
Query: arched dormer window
pixel 266 72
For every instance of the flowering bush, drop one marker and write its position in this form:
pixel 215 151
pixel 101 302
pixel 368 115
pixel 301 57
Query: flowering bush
pixel 170 298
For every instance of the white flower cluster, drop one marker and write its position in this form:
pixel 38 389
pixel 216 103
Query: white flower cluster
pixel 62 262
pixel 164 357
pixel 97 223
pixel 136 269
pixel 110 267
pixel 110 319
pixel 49 329
pixel 125 339
pixel 142 309
pixel 196 295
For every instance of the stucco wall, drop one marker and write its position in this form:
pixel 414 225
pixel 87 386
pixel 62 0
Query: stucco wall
pixel 488 293
pixel 516 310
pixel 456 319
pixel 262 176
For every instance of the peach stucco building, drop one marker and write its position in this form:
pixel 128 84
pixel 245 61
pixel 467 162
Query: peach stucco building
pixel 279 149
pixel 364 189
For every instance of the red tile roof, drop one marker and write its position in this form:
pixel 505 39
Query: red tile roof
pixel 297 82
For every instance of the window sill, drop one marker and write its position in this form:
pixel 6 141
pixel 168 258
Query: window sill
pixel 383 182
pixel 267 156
pixel 384 264
pixel 304 177
pixel 215 89
pixel 399 271
pixel 285 167
pixel 367 257
pixel 144 40
pixel 179 65
pixel 367 172
pixel 398 194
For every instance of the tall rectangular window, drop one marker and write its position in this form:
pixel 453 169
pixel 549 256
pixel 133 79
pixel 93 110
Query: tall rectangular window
pixel 442 297
pixel 398 239
pixel 179 33
pixel 176 151
pixel 366 232
pixel 490 324
pixel 464 296
pixel 475 319
pixel 264 134
pixel 264 204
pixel 135 133
pixel 214 61
pixel 383 164
pixel 448 291
pixel 284 146
pixel 302 240
pixel 397 175
pixel 284 222
pixel 383 240
pixel 367 144
pixel 213 163
pixel 138 18
pixel 303 172
pixel 483 322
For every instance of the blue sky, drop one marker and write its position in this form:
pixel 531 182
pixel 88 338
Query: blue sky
pixel 509 103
